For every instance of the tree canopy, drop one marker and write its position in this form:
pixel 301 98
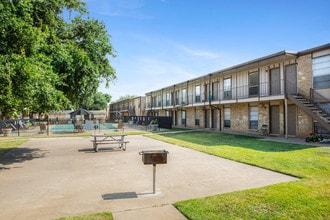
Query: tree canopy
pixel 98 101
pixel 52 55
pixel 121 98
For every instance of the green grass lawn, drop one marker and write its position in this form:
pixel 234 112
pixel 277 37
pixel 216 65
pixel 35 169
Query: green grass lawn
pixel 308 198
pixel 8 143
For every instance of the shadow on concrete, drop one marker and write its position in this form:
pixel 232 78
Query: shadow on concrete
pixel 19 155
pixel 103 149
pixel 121 195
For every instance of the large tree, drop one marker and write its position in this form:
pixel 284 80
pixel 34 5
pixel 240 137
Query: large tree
pixel 99 101
pixel 52 55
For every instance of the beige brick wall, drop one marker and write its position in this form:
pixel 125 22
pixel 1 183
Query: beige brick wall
pixel 239 114
pixel 304 124
pixel 190 117
pixel 305 80
pixel 304 74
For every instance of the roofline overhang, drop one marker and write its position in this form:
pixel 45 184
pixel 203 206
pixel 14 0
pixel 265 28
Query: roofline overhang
pixel 314 49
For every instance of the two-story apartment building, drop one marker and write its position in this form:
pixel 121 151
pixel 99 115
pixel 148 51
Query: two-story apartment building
pixel 288 93
pixel 128 107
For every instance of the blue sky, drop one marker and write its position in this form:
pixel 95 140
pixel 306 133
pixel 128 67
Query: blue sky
pixel 163 42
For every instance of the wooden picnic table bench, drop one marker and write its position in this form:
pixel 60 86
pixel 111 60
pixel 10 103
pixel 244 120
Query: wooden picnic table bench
pixel 109 139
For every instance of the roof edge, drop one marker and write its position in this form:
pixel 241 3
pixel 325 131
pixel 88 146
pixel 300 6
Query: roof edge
pixel 311 50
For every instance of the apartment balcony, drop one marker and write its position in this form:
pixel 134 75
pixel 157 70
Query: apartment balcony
pixel 263 92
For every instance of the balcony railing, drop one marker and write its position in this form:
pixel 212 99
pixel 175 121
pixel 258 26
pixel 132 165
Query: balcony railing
pixel 272 88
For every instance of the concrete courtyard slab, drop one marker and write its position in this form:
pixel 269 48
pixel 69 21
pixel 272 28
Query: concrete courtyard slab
pixel 48 178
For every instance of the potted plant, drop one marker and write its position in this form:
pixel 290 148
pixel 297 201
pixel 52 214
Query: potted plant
pixel 7 130
pixel 314 137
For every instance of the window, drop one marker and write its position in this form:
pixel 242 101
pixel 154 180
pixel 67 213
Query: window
pixel 227 88
pixel 321 72
pixel 168 99
pixel 184 97
pixel 253 123
pixel 159 101
pixel 198 94
pixel 254 84
pixel 197 117
pixel 226 117
pixel 183 117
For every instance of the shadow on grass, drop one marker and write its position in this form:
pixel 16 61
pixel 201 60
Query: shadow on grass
pixel 19 155
pixel 217 139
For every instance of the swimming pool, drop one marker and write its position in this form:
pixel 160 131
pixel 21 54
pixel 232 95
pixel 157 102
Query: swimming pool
pixel 70 127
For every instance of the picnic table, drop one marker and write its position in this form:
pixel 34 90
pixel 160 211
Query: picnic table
pixel 109 139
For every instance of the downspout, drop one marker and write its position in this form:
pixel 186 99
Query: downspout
pixel 210 92
pixel 209 99
pixel 286 120
pixel 236 86
pixel 187 96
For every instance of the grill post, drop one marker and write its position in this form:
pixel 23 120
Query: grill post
pixel 154 179
pixel 154 157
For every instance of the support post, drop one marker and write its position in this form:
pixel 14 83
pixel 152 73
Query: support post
pixel 286 117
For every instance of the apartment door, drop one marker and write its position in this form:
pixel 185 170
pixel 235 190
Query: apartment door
pixel 207 118
pixel 291 79
pixel 292 119
pixel 275 88
pixel 274 119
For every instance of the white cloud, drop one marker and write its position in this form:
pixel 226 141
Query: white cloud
pixel 198 53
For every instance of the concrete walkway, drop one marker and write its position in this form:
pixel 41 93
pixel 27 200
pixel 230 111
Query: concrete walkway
pixel 48 178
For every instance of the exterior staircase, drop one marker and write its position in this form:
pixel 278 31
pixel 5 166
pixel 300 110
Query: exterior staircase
pixel 311 109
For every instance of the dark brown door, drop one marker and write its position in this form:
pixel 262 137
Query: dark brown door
pixel 275 88
pixel 292 119
pixel 291 79
pixel 274 119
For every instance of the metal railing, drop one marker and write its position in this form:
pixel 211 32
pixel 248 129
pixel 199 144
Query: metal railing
pixel 235 93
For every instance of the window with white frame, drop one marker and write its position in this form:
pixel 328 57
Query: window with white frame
pixel 168 99
pixel 184 97
pixel 254 84
pixel 321 72
pixel 159 101
pixel 198 93
pixel 227 88
pixel 253 119
pixel 226 117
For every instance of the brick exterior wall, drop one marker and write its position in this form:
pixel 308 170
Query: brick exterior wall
pixel 304 74
pixel 239 114
pixel 305 80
